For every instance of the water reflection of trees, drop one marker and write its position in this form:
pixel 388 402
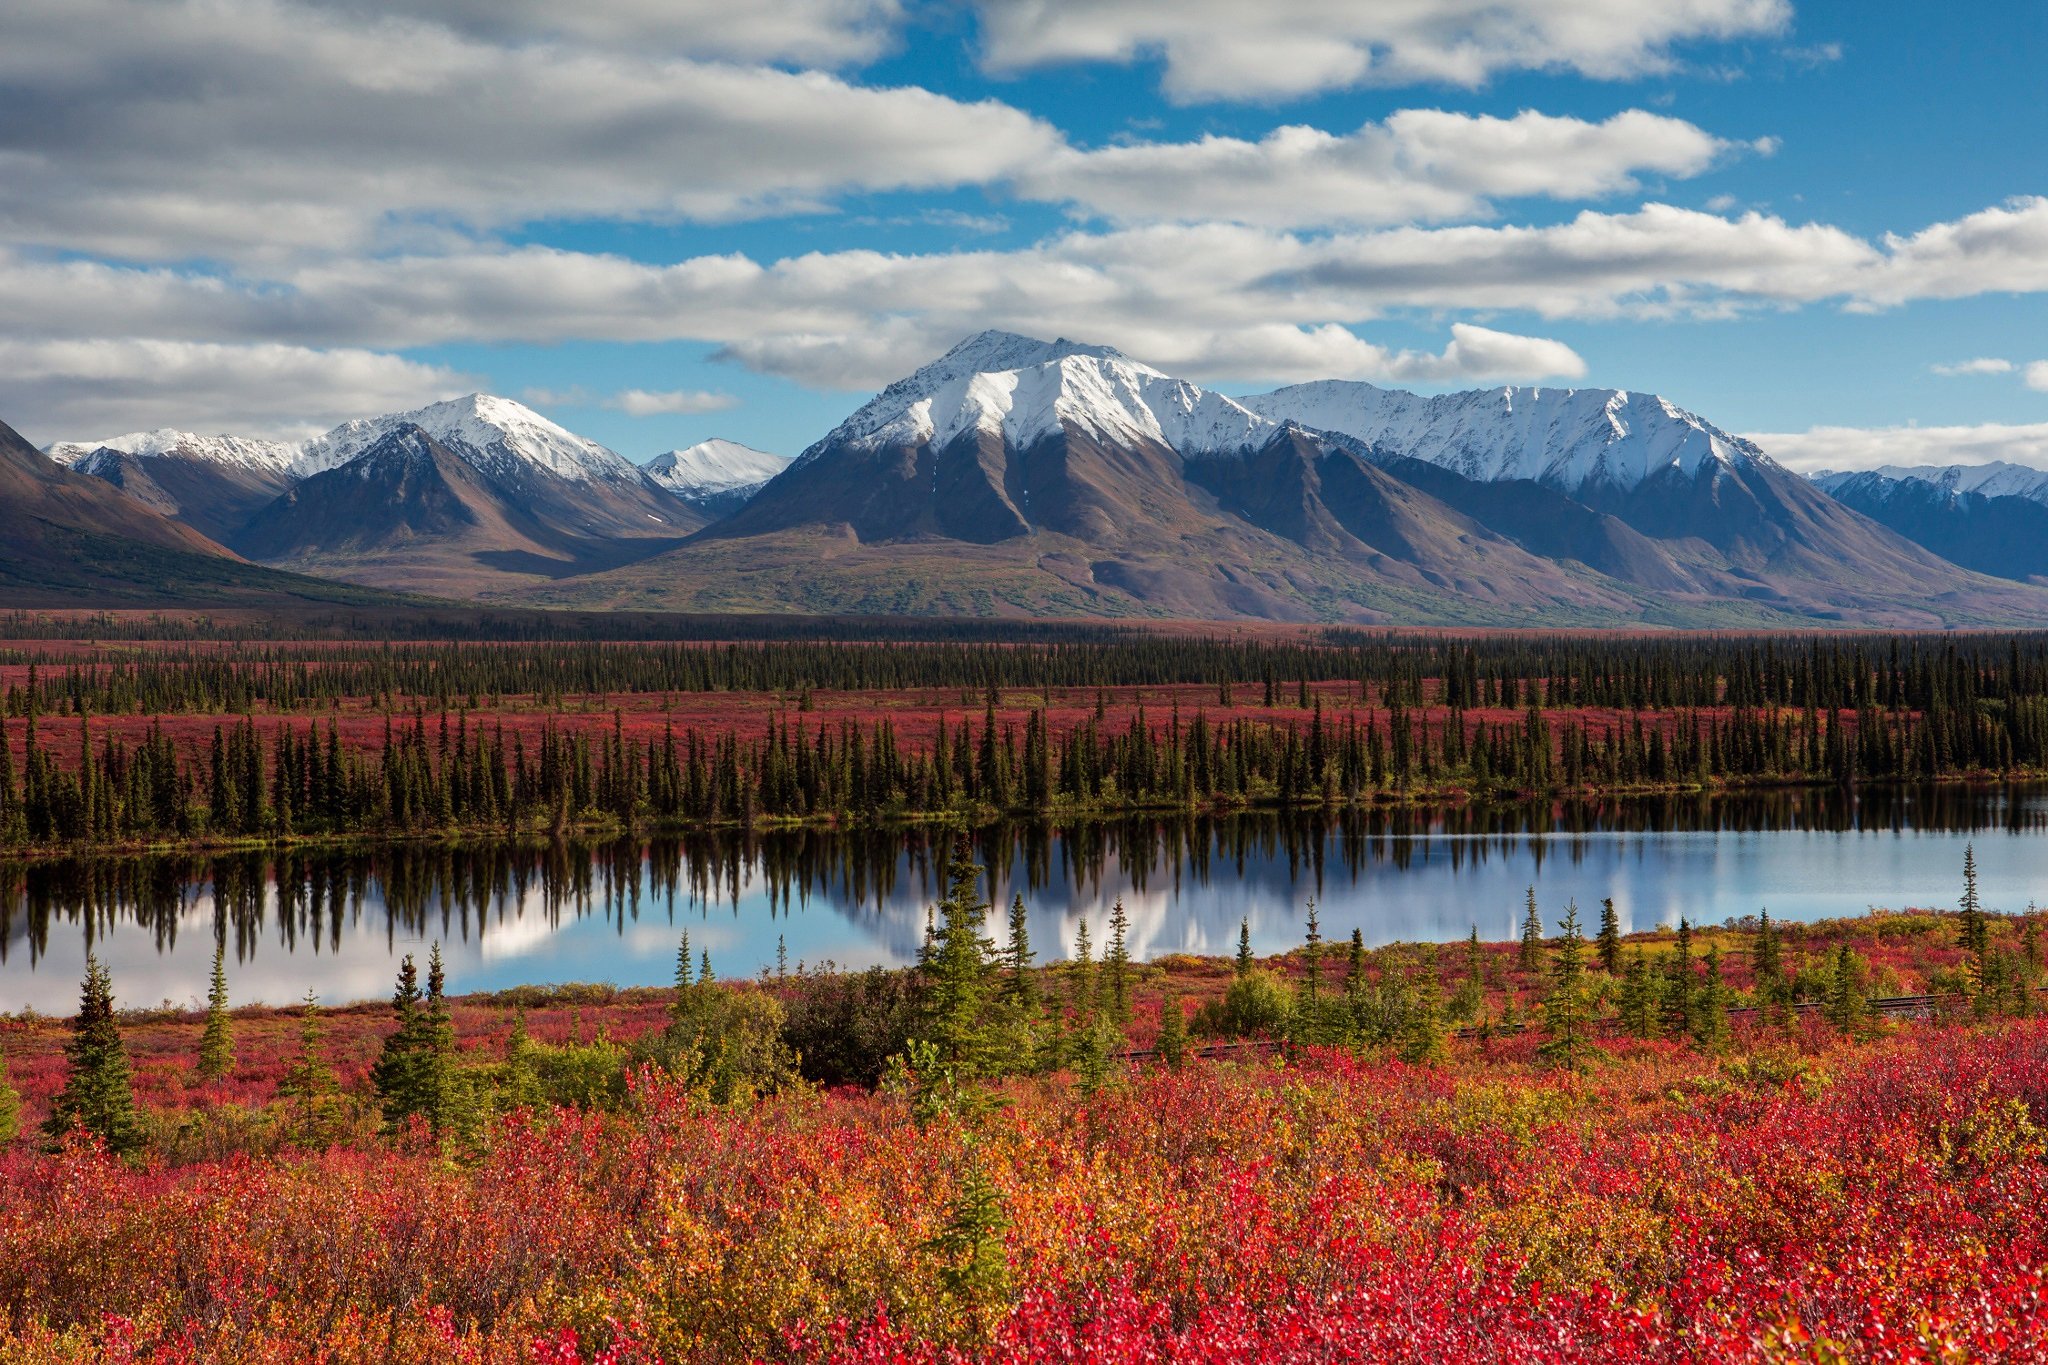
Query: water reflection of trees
pixel 306 900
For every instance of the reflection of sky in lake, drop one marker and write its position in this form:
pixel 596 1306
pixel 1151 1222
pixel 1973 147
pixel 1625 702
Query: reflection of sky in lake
pixel 613 914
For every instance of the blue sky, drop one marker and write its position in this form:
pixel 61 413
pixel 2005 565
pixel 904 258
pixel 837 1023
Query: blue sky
pixel 663 220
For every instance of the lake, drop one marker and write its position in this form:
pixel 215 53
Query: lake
pixel 337 923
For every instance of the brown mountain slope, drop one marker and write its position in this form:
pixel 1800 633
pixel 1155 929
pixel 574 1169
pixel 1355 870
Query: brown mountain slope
pixel 410 513
pixel 67 539
pixel 212 498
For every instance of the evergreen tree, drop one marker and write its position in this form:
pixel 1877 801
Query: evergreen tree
pixel 1173 1031
pixel 1710 1008
pixel 974 1272
pixel 217 1043
pixel 1677 1012
pixel 1422 1029
pixel 411 1074
pixel 958 974
pixel 97 1096
pixel 1564 1009
pixel 1638 1000
pixel 1610 938
pixel 1116 967
pixel 309 1083
pixel 1768 967
pixel 1020 987
pixel 1530 958
pixel 1843 1006
pixel 1974 931
pixel 1245 960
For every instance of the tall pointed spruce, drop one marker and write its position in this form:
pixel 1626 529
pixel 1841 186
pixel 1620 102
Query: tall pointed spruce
pixel 97 1096
pixel 217 1043
pixel 1530 957
pixel 1610 938
pixel 1564 1009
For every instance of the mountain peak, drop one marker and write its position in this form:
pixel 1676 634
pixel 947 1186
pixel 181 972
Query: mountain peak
pixel 497 435
pixel 714 466
pixel 1568 438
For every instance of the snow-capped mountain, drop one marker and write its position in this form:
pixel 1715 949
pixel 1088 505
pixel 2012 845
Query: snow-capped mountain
pixel 1569 439
pixel 497 435
pixel 1024 391
pixel 714 466
pixel 1960 518
pixel 1066 477
pixel 283 457
pixel 1995 479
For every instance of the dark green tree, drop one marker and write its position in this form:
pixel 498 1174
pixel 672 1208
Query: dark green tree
pixel 1173 1031
pixel 411 1073
pixel 1530 957
pixel 1564 1008
pixel 1710 1007
pixel 1116 967
pixel 1676 1019
pixel 97 1097
pixel 1020 987
pixel 958 975
pixel 1637 1004
pixel 217 1043
pixel 1610 938
pixel 309 1086
pixel 1245 960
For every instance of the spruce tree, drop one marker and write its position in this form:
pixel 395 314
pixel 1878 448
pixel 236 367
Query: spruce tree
pixel 1243 965
pixel 958 974
pixel 1974 931
pixel 1710 1009
pixel 217 1043
pixel 1638 1001
pixel 1173 1031
pixel 1768 967
pixel 1422 1029
pixel 1677 1012
pixel 1116 967
pixel 411 1074
pixel 1020 988
pixel 1610 938
pixel 97 1097
pixel 309 1083
pixel 1564 1009
pixel 1530 957
pixel 1844 1004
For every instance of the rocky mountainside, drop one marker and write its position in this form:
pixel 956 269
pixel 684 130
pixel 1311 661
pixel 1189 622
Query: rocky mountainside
pixel 70 540
pixel 2003 534
pixel 1047 477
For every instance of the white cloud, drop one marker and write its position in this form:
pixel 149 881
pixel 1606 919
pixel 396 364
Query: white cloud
pixel 1869 447
pixel 67 390
pixel 813 32
pixel 1995 250
pixel 643 403
pixel 2037 375
pixel 1419 165
pixel 256 129
pixel 1227 49
pixel 1981 365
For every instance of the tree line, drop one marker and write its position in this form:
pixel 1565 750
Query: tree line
pixel 1907 672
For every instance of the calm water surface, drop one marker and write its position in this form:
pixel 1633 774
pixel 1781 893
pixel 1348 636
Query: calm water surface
pixel 338 923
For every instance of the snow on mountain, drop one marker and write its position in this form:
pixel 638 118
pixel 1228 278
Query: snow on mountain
pixel 714 466
pixel 495 435
pixel 1567 438
pixel 1996 479
pixel 281 457
pixel 1025 390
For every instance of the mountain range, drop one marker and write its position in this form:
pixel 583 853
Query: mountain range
pixel 1024 477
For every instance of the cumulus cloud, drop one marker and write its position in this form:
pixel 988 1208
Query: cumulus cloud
pixel 253 129
pixel 812 32
pixel 71 390
pixel 1419 165
pixel 1981 365
pixel 1225 49
pixel 1870 447
pixel 1151 289
pixel 2037 376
